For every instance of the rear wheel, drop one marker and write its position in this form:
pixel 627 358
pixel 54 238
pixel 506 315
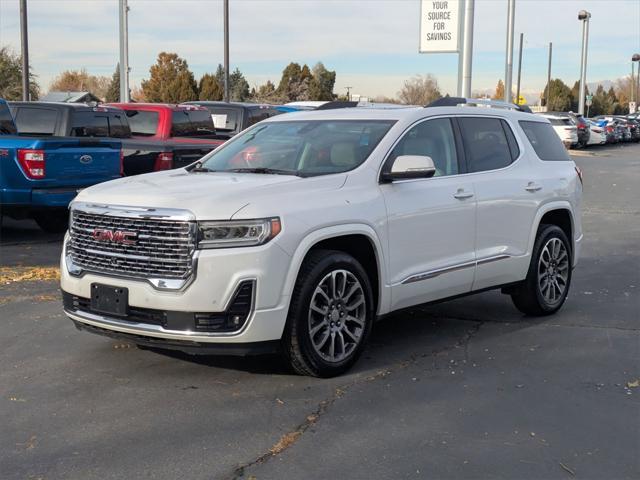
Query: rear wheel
pixel 545 289
pixel 54 221
pixel 330 316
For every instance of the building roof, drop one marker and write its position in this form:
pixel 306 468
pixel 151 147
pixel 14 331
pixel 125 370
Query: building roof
pixel 70 97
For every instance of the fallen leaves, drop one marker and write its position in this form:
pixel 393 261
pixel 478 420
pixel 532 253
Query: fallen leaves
pixel 28 274
pixel 634 384
pixel 285 442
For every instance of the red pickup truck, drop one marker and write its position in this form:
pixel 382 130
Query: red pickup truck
pixel 166 136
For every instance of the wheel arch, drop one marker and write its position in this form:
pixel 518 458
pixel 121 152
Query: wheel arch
pixel 555 213
pixel 357 240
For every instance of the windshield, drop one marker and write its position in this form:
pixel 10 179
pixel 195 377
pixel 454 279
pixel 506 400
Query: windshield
pixel 304 148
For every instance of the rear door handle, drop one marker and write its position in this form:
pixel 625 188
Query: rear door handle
pixel 533 187
pixel 462 194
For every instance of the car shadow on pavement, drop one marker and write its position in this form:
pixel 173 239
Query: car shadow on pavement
pixel 412 333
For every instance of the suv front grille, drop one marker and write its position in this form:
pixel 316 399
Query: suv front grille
pixel 153 248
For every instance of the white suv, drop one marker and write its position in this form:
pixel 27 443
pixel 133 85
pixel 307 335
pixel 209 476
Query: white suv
pixel 304 229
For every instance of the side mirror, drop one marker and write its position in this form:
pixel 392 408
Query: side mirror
pixel 406 167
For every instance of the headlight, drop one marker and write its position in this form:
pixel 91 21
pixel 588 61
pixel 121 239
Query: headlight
pixel 237 233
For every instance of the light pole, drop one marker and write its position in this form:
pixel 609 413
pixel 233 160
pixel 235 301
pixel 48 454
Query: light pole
pixel 467 52
pixel 635 82
pixel 25 51
pixel 517 102
pixel 124 51
pixel 508 71
pixel 584 16
pixel 226 49
pixel 348 93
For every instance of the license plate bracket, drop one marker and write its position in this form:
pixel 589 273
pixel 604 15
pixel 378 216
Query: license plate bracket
pixel 109 299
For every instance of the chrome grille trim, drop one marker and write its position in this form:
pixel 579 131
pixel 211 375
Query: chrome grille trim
pixel 164 252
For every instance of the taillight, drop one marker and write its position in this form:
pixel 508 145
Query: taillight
pixel 579 172
pixel 121 163
pixel 32 163
pixel 164 161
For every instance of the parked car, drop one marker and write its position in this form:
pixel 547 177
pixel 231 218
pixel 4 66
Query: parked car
pixel 41 173
pixel 154 147
pixel 230 118
pixel 166 136
pixel 582 129
pixel 597 134
pixel 564 128
pixel 343 216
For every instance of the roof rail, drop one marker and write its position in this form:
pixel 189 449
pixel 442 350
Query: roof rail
pixel 477 102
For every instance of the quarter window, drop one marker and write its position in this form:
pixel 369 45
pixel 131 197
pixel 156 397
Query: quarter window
pixel 545 141
pixel 432 138
pixel 485 143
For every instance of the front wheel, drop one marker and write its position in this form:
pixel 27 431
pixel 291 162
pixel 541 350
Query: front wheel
pixel 545 289
pixel 330 315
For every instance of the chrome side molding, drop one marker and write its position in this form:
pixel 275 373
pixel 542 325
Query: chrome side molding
pixel 418 277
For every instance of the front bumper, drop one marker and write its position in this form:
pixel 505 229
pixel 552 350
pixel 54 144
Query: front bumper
pixel 219 274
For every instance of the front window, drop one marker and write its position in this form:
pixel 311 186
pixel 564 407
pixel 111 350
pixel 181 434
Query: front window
pixel 304 148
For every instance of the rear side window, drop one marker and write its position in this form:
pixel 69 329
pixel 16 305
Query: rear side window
pixel 191 123
pixel 544 141
pixel 560 121
pixel 144 124
pixel 7 127
pixel 36 121
pixel 485 143
pixel 225 119
pixel 99 124
pixel 89 124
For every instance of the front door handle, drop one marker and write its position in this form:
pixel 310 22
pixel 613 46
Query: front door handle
pixel 533 187
pixel 462 194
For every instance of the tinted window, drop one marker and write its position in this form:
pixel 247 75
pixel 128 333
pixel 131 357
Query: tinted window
pixel 7 127
pixel 191 123
pixel 89 124
pixel 36 121
pixel 306 148
pixel 256 115
pixel 485 143
pixel 142 123
pixel 433 138
pixel 511 140
pixel 225 119
pixel 560 121
pixel 544 141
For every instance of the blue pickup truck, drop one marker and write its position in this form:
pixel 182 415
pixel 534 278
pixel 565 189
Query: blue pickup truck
pixel 39 176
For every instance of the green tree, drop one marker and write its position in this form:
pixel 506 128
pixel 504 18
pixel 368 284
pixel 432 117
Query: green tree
pixel 170 80
pixel 113 92
pixel 238 86
pixel 292 82
pixel 559 96
pixel 322 83
pixel 499 93
pixel 209 88
pixel 266 93
pixel 11 77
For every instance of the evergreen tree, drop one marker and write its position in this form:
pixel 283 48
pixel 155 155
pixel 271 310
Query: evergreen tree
pixel 322 83
pixel 559 96
pixel 238 86
pixel 170 80
pixel 113 92
pixel 499 93
pixel 11 77
pixel 210 88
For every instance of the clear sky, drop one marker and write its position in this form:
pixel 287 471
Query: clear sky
pixel 373 44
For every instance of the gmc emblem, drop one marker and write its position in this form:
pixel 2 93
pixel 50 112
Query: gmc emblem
pixel 114 236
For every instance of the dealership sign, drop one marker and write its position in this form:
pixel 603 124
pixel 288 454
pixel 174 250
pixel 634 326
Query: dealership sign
pixel 440 26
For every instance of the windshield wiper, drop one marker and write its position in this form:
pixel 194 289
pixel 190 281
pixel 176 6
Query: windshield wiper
pixel 268 171
pixel 198 168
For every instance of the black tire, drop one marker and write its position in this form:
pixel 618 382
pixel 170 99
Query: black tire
pixel 528 296
pixel 297 345
pixel 55 221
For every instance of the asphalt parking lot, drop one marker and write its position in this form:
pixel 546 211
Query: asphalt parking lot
pixel 465 389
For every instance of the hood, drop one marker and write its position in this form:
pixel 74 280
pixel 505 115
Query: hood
pixel 209 195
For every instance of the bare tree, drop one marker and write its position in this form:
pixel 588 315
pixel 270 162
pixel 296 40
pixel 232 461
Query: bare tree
pixel 420 90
